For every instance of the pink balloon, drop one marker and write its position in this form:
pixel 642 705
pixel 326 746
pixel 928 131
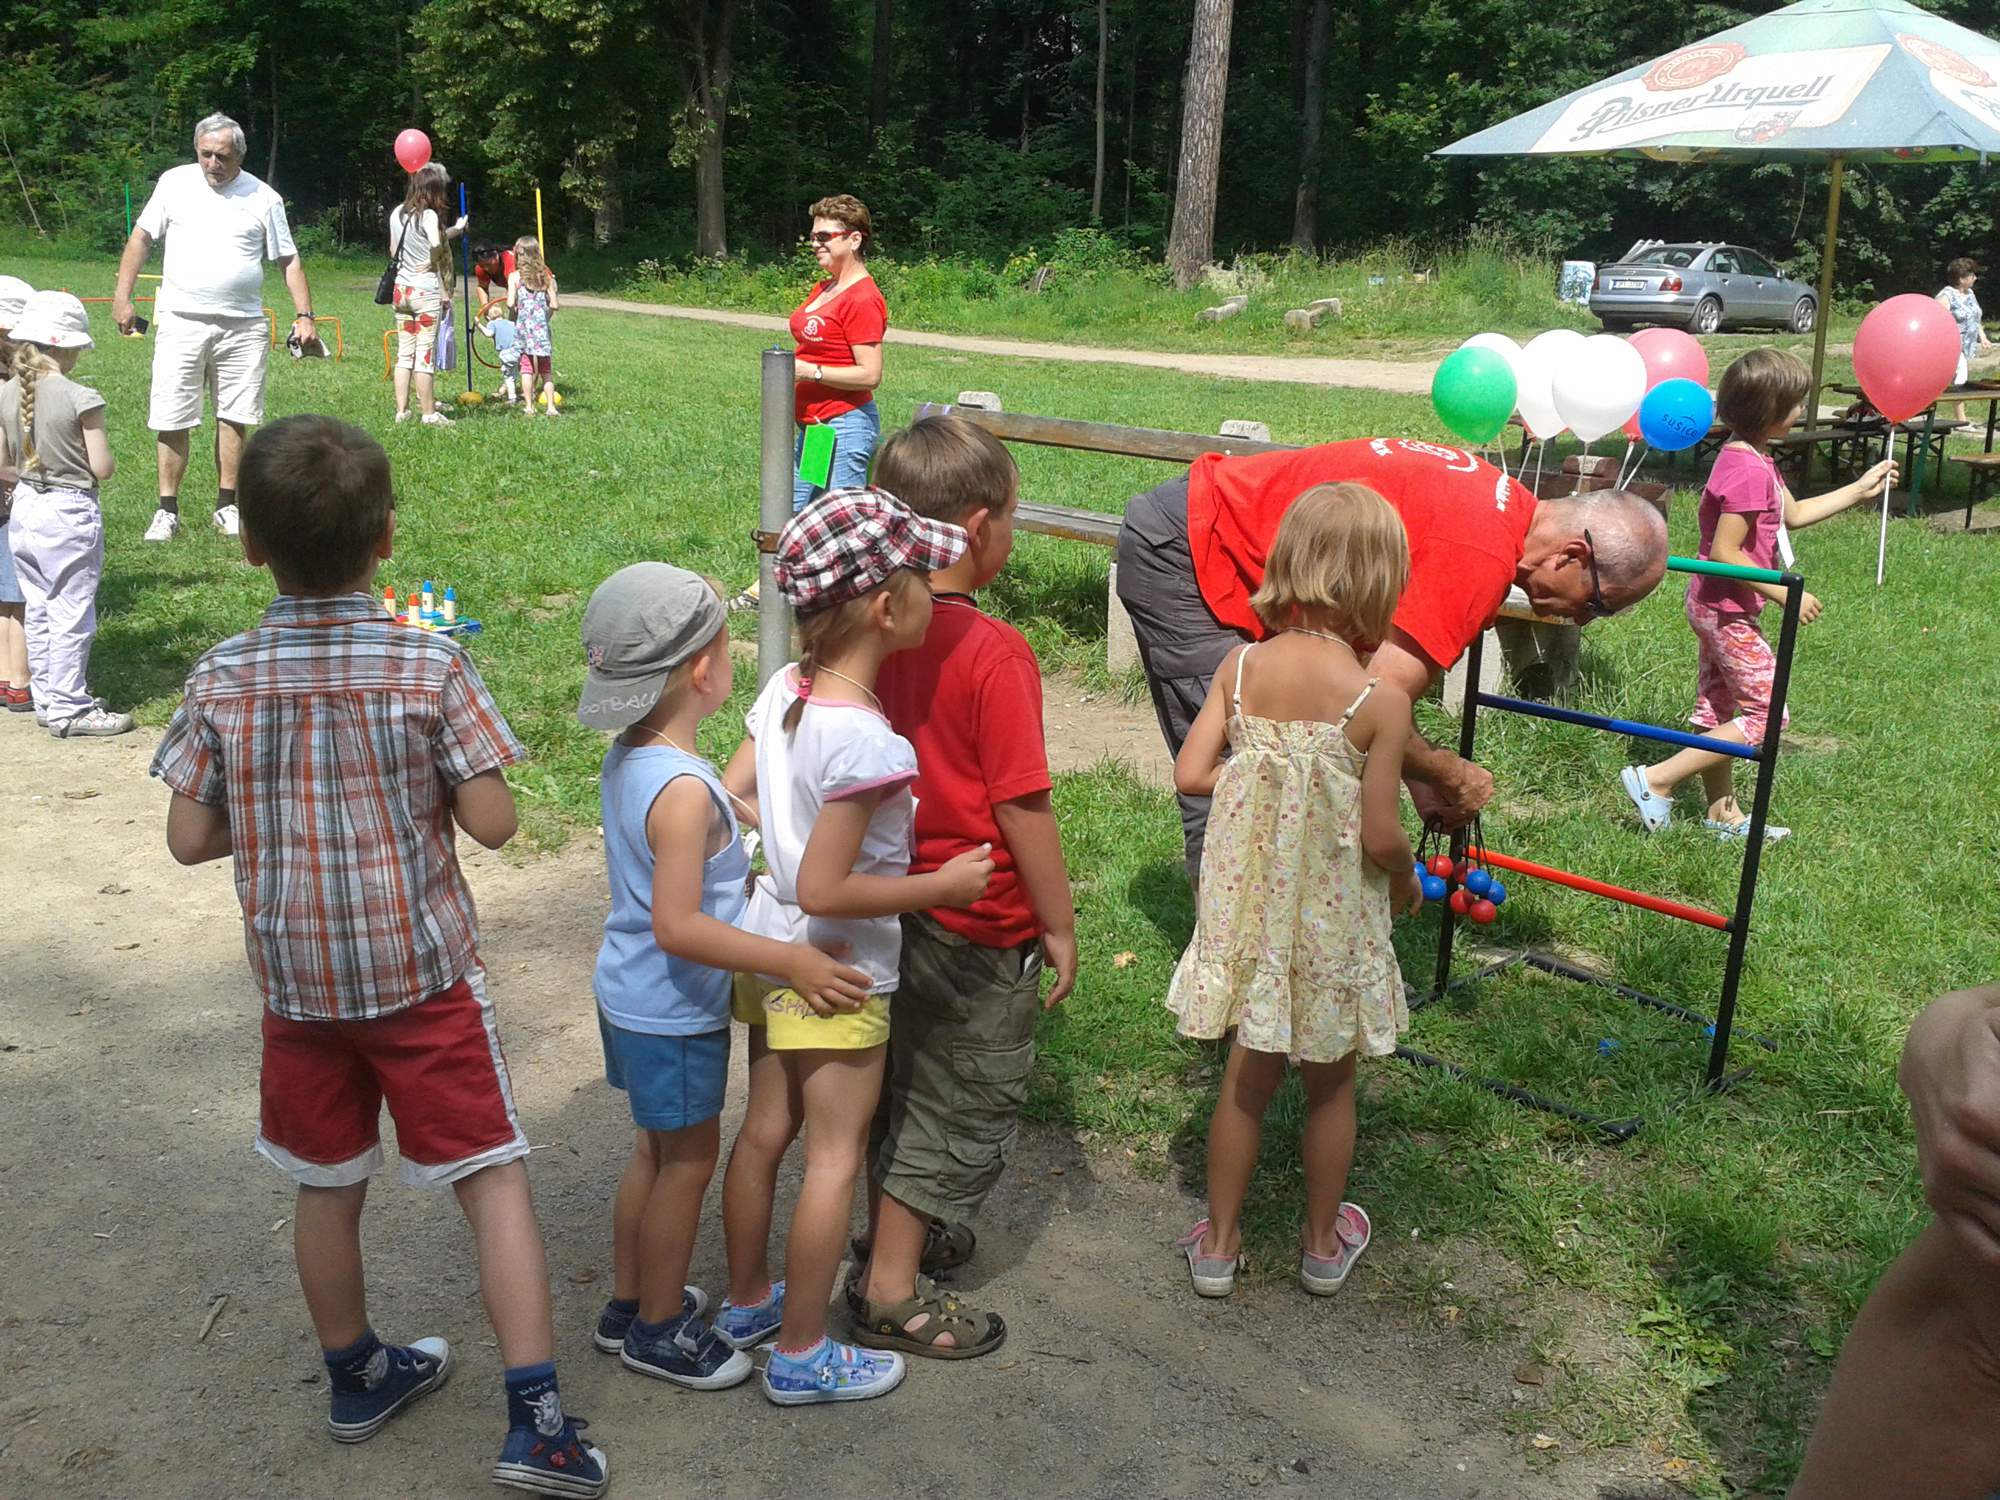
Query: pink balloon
pixel 1670 355
pixel 413 149
pixel 1905 353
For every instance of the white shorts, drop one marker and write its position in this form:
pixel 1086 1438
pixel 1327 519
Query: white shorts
pixel 228 355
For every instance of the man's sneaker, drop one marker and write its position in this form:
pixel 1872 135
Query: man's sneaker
pixel 166 526
pixel 747 1327
pixel 687 1352
pixel 556 1463
pixel 95 723
pixel 831 1371
pixel 226 521
pixel 397 1375
pixel 613 1323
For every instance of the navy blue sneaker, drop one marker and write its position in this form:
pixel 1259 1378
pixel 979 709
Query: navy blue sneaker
pixel 831 1371
pixel 687 1352
pixel 553 1463
pixel 614 1322
pixel 396 1376
pixel 747 1327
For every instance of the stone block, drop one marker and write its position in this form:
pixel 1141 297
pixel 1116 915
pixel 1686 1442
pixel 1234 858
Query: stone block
pixel 1121 647
pixel 1222 311
pixel 979 400
pixel 1489 673
pixel 1305 318
pixel 1242 427
pixel 1542 660
pixel 1328 305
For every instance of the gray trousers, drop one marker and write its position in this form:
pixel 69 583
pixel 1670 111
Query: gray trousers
pixel 1180 642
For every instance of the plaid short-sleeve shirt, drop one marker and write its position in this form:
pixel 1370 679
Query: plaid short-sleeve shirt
pixel 333 737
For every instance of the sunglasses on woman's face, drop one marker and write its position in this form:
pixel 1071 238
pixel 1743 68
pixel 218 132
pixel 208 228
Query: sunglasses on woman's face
pixel 828 236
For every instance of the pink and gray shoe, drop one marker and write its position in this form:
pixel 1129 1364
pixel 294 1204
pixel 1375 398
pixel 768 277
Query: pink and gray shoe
pixel 1212 1275
pixel 1324 1275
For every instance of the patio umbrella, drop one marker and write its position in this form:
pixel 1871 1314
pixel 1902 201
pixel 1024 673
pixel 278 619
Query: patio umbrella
pixel 1823 80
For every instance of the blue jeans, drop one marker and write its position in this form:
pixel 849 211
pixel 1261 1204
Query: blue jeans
pixel 854 437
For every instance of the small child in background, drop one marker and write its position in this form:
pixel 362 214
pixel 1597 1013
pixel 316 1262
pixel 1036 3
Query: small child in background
pixel 329 751
pixel 832 782
pixel 507 347
pixel 1306 863
pixel 531 301
pixel 657 641
pixel 1745 509
pixel 52 435
pixel 14 695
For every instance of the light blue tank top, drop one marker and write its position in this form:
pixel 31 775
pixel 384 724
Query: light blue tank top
pixel 640 986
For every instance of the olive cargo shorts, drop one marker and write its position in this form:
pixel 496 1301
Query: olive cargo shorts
pixel 961 1047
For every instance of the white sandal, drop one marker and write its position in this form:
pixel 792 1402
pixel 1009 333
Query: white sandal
pixel 1655 811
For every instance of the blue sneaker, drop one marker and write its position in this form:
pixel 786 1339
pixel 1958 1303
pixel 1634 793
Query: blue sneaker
pixel 687 1352
pixel 613 1324
pixel 831 1371
pixel 747 1327
pixel 396 1376
pixel 553 1463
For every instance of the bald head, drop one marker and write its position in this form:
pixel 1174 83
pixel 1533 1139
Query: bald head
pixel 1627 542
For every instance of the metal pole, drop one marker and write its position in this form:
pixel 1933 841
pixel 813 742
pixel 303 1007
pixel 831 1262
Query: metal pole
pixel 774 509
pixel 1826 283
pixel 465 260
pixel 1467 727
pixel 544 240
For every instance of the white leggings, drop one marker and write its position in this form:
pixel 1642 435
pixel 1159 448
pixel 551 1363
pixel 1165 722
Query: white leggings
pixel 57 537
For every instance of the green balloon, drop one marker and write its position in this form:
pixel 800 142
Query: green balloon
pixel 1474 394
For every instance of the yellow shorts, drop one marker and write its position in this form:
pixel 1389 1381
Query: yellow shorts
pixel 791 1025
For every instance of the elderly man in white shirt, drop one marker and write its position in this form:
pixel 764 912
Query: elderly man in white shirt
pixel 221 225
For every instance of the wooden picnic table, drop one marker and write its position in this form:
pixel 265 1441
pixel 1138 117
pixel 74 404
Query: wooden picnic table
pixel 1926 436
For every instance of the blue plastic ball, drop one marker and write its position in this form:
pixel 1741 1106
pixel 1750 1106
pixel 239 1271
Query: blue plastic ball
pixel 1421 871
pixel 1496 892
pixel 1434 888
pixel 1478 882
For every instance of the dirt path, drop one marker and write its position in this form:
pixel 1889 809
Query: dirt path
pixel 1404 377
pixel 128 1048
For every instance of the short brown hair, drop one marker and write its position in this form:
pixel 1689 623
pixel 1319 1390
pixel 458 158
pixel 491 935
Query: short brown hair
pixel 1757 392
pixel 314 493
pixel 1959 269
pixel 845 208
pixel 1340 553
pixel 944 468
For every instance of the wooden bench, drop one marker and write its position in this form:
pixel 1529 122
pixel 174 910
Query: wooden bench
pixel 1982 473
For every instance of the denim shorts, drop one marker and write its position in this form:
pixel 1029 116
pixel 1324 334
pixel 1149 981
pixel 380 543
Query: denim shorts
pixel 671 1082
pixel 854 436
pixel 10 582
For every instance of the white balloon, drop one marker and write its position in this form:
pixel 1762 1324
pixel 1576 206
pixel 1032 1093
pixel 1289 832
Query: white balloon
pixel 1598 385
pixel 1501 345
pixel 1534 381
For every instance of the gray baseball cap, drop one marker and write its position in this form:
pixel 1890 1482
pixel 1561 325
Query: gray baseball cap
pixel 643 621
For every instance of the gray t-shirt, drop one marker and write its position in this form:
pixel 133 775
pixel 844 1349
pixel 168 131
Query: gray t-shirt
pixel 60 457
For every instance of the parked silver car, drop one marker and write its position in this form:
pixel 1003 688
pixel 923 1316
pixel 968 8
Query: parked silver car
pixel 1700 287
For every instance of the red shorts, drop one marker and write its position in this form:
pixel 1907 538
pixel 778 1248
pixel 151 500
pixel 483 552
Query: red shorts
pixel 537 364
pixel 438 1066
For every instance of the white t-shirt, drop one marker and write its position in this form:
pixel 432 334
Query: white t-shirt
pixel 413 267
pixel 216 242
pixel 838 750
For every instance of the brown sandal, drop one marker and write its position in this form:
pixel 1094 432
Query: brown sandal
pixel 946 1246
pixel 887 1326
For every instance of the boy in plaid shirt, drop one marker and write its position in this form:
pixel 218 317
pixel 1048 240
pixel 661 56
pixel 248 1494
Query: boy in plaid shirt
pixel 329 750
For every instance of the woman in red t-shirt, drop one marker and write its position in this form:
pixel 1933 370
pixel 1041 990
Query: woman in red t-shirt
pixel 839 329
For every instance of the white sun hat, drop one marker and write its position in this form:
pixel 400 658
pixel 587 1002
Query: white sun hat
pixel 55 320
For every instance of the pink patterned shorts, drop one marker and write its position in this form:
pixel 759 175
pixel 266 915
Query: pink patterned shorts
pixel 1737 666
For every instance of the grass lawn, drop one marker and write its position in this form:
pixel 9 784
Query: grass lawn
pixel 1724 1251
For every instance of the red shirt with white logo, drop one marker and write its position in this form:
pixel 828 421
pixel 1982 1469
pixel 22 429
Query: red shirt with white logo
pixel 827 336
pixel 1466 521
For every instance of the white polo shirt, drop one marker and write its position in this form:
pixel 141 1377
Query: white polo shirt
pixel 217 241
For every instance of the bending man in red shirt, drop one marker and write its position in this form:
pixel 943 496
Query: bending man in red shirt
pixel 1192 552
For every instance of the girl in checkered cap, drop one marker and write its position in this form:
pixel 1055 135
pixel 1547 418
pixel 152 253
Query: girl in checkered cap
pixel 832 785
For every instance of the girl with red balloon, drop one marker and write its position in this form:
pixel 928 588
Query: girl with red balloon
pixel 1745 509
pixel 420 243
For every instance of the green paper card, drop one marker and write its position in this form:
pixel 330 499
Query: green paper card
pixel 816 456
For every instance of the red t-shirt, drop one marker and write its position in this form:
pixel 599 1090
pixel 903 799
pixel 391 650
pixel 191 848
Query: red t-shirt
pixel 487 282
pixel 827 336
pixel 1465 519
pixel 970 700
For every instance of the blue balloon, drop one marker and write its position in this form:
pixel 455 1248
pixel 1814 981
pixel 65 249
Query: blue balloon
pixel 1676 414
pixel 1478 882
pixel 1434 887
pixel 1496 892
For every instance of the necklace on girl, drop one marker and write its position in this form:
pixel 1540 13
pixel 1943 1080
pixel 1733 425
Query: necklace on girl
pixel 861 685
pixel 1318 635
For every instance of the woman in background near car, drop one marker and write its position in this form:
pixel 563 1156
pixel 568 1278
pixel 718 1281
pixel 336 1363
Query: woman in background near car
pixel 1958 300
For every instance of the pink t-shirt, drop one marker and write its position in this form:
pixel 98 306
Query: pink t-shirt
pixel 1744 483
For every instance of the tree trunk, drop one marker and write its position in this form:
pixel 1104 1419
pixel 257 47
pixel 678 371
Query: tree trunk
pixel 1131 117
pixel 1312 120
pixel 608 220
pixel 271 158
pixel 878 98
pixel 708 64
pixel 1097 179
pixel 1192 240
pixel 1027 77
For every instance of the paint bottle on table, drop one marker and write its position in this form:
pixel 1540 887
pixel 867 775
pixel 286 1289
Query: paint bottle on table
pixel 430 600
pixel 416 616
pixel 450 605
pixel 389 603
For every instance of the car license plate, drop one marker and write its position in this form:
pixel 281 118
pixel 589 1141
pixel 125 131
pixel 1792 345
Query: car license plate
pixel 1628 286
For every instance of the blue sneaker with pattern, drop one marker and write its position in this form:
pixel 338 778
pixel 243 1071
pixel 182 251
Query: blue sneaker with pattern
pixel 616 1319
pixel 687 1352
pixel 831 1371
pixel 553 1463
pixel 747 1327
pixel 389 1379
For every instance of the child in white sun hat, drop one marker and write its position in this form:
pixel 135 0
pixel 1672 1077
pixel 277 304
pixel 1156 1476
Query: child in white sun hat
pixel 14 295
pixel 52 434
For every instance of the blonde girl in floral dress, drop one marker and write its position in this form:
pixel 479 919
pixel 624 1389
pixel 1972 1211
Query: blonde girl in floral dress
pixel 1306 860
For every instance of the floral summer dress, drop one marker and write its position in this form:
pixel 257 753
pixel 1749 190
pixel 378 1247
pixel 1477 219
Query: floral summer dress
pixel 531 321
pixel 1291 943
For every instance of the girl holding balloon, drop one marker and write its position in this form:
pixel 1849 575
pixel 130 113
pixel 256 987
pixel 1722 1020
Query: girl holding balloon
pixel 1744 508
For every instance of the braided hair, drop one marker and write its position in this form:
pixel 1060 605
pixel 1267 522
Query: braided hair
pixel 31 362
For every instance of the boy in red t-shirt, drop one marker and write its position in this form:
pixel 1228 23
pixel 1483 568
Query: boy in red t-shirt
pixel 962 1020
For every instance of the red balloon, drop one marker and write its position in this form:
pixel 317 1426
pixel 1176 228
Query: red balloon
pixel 1905 353
pixel 413 150
pixel 1669 355
pixel 1484 911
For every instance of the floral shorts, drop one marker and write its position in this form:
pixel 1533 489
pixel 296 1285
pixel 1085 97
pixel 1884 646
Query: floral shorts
pixel 1737 666
pixel 417 309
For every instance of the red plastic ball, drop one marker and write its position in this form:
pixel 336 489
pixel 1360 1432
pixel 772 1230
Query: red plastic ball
pixel 1483 911
pixel 1440 866
pixel 1461 901
pixel 1460 870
